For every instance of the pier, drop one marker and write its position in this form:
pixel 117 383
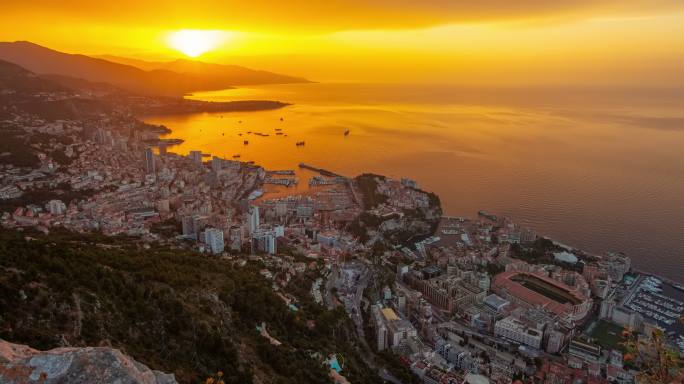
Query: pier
pixel 322 171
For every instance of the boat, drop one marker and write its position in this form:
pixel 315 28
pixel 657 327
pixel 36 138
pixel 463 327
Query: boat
pixel 223 134
pixel 281 119
pixel 678 286
pixel 240 121
pixel 346 132
pixel 236 156
pixel 653 289
pixel 300 143
pixel 245 142
pixel 278 129
pixel 279 133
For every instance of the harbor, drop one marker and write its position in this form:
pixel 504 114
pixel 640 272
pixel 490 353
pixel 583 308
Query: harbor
pixel 656 300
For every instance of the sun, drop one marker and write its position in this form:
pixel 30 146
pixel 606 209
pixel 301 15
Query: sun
pixel 194 42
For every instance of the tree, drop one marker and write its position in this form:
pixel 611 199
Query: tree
pixel 657 363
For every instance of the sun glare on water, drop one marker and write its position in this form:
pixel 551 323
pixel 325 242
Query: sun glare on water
pixel 194 42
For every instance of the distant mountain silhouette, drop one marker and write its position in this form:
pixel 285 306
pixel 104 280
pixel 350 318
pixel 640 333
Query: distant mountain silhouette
pixel 21 89
pixel 234 74
pixel 14 78
pixel 45 61
pixel 76 84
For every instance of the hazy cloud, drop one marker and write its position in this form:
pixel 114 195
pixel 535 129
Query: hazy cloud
pixel 335 15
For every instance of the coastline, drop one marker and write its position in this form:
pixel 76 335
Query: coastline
pixel 554 200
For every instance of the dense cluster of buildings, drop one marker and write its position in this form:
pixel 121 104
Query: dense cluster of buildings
pixel 467 304
pixel 463 305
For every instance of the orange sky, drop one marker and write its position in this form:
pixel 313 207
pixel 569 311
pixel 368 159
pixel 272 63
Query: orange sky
pixel 455 41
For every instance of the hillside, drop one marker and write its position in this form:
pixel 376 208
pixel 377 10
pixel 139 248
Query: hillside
pixel 26 91
pixel 45 61
pixel 173 310
pixel 17 79
pixel 234 74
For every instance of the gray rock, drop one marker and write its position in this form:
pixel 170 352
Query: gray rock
pixel 20 364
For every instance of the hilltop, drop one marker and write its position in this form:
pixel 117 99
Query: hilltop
pixel 233 74
pixel 155 81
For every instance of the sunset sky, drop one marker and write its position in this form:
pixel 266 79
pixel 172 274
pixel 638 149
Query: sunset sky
pixel 626 42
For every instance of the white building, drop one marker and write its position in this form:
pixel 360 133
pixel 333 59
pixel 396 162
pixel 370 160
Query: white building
pixel 390 330
pixel 264 241
pixel 196 157
pixel 56 207
pixel 253 219
pixel 327 239
pixel 150 166
pixel 514 330
pixel 235 238
pixel 216 164
pixel 213 237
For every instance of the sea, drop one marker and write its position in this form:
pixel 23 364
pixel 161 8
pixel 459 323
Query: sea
pixel 595 168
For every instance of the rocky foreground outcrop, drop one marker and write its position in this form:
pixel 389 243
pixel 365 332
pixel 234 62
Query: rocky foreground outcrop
pixel 20 364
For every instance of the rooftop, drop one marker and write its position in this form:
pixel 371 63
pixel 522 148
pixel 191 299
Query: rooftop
pixel 389 314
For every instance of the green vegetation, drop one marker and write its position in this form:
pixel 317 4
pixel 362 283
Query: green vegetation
pixel 400 371
pixel 654 359
pixel 168 228
pixel 607 335
pixel 539 252
pixel 434 201
pixel 15 149
pixel 368 185
pixel 174 310
pixel 40 197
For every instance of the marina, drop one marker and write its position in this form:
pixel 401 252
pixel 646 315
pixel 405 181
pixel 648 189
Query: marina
pixel 320 180
pixel 647 297
pixel 286 181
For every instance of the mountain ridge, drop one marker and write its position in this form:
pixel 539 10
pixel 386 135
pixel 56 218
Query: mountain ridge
pixel 45 61
pixel 197 67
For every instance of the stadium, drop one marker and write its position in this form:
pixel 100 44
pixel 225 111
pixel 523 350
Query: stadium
pixel 534 289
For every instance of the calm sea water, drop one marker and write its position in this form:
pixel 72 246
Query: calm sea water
pixel 601 170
